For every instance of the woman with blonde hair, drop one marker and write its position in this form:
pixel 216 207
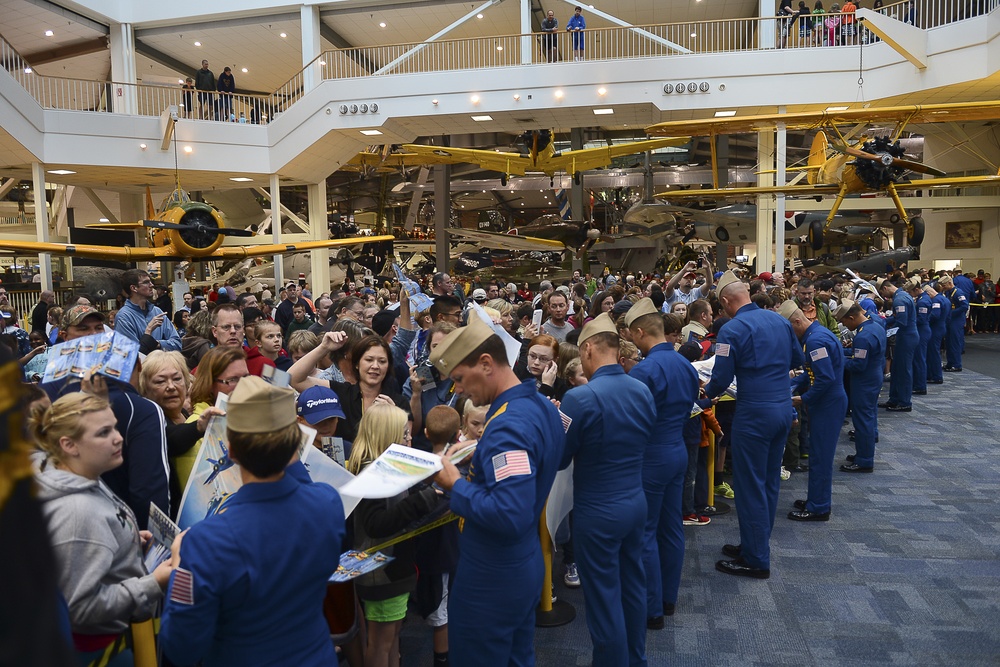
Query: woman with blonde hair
pixel 384 593
pixel 94 534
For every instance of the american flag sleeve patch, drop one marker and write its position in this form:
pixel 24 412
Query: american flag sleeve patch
pixel 566 420
pixel 511 464
pixel 182 587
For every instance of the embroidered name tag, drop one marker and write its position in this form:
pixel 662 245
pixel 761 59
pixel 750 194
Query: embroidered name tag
pixel 816 355
pixel 511 464
pixel 722 350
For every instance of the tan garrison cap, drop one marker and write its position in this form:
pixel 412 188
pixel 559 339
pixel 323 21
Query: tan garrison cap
pixel 787 309
pixel 946 279
pixel 459 344
pixel 600 324
pixel 912 284
pixel 643 306
pixel 77 314
pixel 880 282
pixel 840 312
pixel 258 407
pixel 727 279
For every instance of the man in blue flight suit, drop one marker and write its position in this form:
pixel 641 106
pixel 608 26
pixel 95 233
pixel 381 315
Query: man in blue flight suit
pixel 250 580
pixel 940 312
pixel 498 583
pixel 613 416
pixel 865 363
pixel 903 318
pixel 673 383
pixel 823 395
pixel 955 335
pixel 923 307
pixel 758 348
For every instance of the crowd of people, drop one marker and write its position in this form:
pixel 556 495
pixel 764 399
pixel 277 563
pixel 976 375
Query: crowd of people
pixel 628 378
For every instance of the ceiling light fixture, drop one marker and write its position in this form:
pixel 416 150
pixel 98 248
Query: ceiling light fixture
pixel 27 70
pixel 837 108
pixel 480 119
pixel 49 33
pixel 188 149
pixel 382 24
pixel 241 179
pixel 517 97
pixel 323 63
pixel 558 94
pixel 103 220
pixel 197 43
pixel 142 147
pixel 499 48
pixel 474 99
pixel 244 70
pixel 434 102
pixel 370 133
pixel 602 91
pixel 479 16
pixel 284 34
pixel 725 114
pixel 61 172
pixel 603 112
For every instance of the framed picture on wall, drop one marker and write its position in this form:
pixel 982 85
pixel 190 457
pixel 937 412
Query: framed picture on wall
pixel 967 234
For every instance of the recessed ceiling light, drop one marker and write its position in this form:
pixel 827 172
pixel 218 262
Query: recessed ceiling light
pixel 27 70
pixel 197 43
pixel 49 33
pixel 602 91
pixel 474 99
pixel 499 48
pixel 558 94
pixel 370 133
pixel 725 114
pixel 244 70
pixel 836 108
pixel 322 62
pixel 142 147
pixel 103 220
pixel 241 179
pixel 382 24
pixel 61 172
pixel 434 102
pixel 517 97
pixel 482 118
pixel 284 34
pixel 188 149
pixel 603 112
pixel 694 34
pixel 479 16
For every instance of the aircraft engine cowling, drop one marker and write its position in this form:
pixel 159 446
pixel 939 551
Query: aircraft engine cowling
pixel 875 173
pixel 201 221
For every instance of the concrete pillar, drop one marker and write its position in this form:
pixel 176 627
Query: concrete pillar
pixel 312 46
pixel 319 260
pixel 765 206
pixel 527 41
pixel 442 215
pixel 779 204
pixel 124 97
pixel 42 222
pixel 279 268
pixel 767 35
pixel 132 207
pixel 722 176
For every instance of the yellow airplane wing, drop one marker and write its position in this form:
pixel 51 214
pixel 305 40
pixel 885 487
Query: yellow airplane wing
pixel 505 163
pixel 911 114
pixel 367 160
pixel 506 241
pixel 243 252
pixel 114 253
pixel 602 156
pixel 792 190
pixel 924 183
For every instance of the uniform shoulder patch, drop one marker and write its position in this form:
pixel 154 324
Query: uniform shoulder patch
pixel 722 350
pixel 922 309
pixel 182 587
pixel 936 305
pixel 900 309
pixel 860 353
pixel 819 353
pixel 566 420
pixel 511 464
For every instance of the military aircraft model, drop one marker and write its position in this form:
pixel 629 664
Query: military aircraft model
pixel 539 154
pixel 545 233
pixel 184 229
pixel 868 164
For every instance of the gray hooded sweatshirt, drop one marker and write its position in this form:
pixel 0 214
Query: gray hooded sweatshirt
pixel 98 552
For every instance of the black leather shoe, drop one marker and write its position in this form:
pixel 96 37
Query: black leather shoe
pixel 900 408
pixel 854 467
pixel 935 382
pixel 740 568
pixel 669 608
pixel 799 504
pixel 799 468
pixel 919 392
pixel 850 436
pixel 886 404
pixel 655 623
pixel 806 515
pixel 949 369
pixel 850 458
pixel 731 550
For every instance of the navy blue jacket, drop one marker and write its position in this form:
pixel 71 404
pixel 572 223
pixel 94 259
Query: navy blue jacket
pixel 673 382
pixel 824 374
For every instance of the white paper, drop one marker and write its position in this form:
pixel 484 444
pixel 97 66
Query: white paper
pixel 705 369
pixel 395 471
pixel 325 470
pixel 560 501
pixel 510 343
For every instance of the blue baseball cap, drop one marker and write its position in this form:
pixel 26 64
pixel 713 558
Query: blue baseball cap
pixel 317 403
pixel 718 274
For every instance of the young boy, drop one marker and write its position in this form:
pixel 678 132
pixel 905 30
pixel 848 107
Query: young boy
pixel 437 550
pixel 300 321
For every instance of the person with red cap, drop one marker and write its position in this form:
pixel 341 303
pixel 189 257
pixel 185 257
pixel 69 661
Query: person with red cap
pixel 681 285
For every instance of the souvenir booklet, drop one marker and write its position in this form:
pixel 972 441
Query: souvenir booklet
pixel 164 531
pixel 355 563
pixel 108 354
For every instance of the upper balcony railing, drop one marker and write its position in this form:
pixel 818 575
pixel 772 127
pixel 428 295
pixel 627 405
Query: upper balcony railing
pixel 601 44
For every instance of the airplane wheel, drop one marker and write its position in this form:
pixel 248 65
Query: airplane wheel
pixel 915 230
pixel 577 178
pixel 503 180
pixel 816 234
pixel 894 218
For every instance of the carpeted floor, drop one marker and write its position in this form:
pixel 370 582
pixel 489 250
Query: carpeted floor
pixel 906 572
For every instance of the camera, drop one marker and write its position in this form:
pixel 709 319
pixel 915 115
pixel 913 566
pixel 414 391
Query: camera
pixel 424 373
pixel 701 262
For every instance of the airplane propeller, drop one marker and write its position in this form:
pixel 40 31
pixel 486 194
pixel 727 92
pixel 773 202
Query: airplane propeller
pixel 197 227
pixel 888 160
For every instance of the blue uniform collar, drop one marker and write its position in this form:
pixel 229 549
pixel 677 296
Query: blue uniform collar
pixel 609 369
pixel 809 329
pixel 746 309
pixel 665 346
pixel 264 491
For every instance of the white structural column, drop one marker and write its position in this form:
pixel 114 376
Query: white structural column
pixel 765 205
pixel 779 204
pixel 279 268
pixel 767 34
pixel 319 260
pixel 42 222
pixel 123 69
pixel 312 46
pixel 526 40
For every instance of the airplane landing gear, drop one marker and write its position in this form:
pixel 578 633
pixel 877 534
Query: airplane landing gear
pixel 577 178
pixel 816 234
pixel 503 180
pixel 915 230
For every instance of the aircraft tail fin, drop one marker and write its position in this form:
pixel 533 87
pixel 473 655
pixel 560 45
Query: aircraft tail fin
pixel 817 155
pixel 150 209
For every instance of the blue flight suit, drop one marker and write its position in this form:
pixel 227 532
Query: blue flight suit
pixel 498 582
pixel 825 399
pixel 872 311
pixel 965 285
pixel 904 316
pixel 674 385
pixel 613 417
pixel 758 347
pixel 940 313
pixel 955 337
pixel 865 365
pixel 259 570
pixel 923 303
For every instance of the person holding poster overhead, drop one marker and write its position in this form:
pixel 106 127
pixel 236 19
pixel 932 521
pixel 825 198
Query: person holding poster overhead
pixel 249 581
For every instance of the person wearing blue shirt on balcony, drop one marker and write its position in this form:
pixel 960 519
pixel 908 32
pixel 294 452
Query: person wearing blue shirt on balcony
pixel 140 320
pixel 576 25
